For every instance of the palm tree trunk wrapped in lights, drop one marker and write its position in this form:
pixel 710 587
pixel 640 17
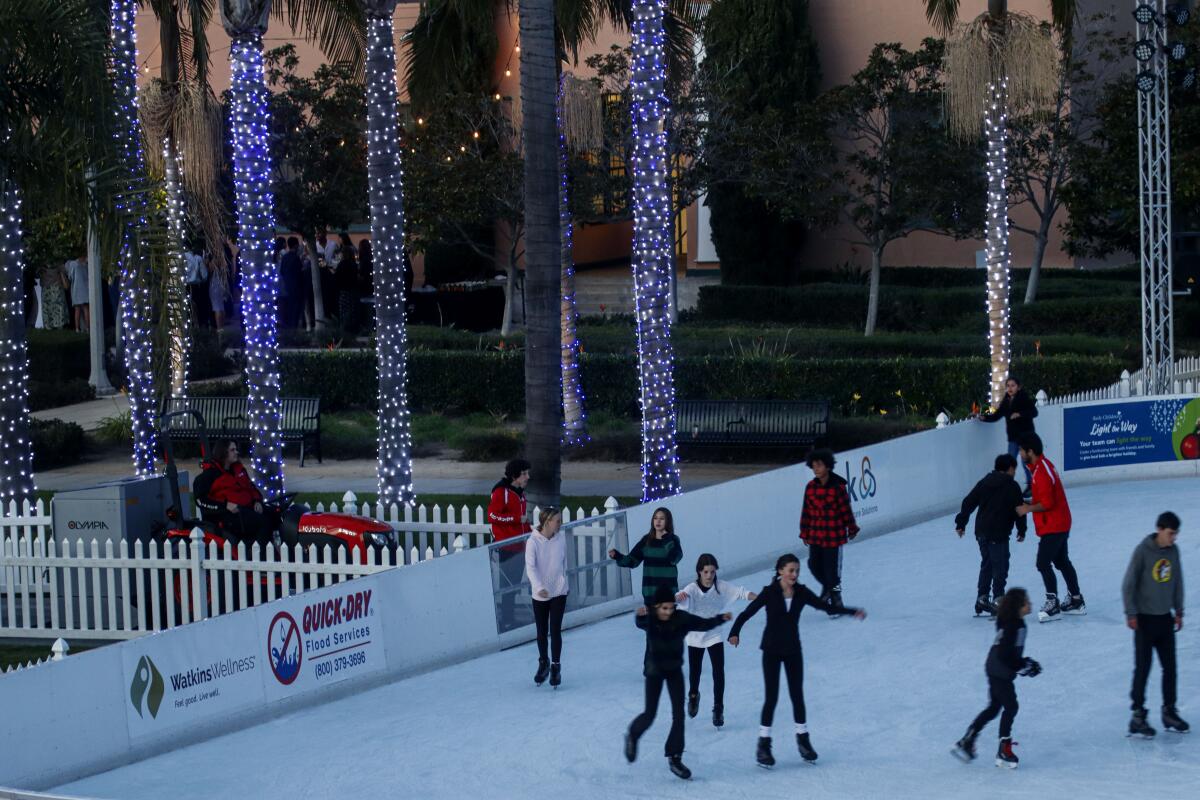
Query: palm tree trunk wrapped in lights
pixel 653 251
pixel 176 297
pixel 246 22
pixel 16 464
pixel 394 468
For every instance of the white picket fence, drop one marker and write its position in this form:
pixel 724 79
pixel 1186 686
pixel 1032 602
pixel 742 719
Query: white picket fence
pixel 1186 380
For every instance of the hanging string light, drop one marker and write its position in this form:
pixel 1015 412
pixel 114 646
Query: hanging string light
pixel 653 253
pixel 386 176
pixel 574 407
pixel 998 258
pixel 133 263
pixel 256 226
pixel 16 446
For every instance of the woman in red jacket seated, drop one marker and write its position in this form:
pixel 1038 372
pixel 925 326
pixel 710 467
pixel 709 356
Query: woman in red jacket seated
pixel 226 495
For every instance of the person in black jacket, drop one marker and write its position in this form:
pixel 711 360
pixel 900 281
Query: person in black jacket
pixel 1005 661
pixel 784 599
pixel 996 497
pixel 1017 409
pixel 666 628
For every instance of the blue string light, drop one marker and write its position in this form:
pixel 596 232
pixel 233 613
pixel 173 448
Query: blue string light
pixel 574 407
pixel 653 252
pixel 256 227
pixel 133 263
pixel 385 173
pixel 16 447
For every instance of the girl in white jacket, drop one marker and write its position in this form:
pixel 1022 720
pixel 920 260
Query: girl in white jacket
pixel 707 596
pixel 546 567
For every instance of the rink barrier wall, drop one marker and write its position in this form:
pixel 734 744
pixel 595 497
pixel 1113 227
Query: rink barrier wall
pixel 67 719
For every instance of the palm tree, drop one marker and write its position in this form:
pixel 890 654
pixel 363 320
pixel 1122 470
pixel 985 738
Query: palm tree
pixel 394 467
pixel 1000 57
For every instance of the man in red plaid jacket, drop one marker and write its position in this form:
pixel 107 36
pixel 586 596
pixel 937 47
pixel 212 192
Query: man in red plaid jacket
pixel 826 523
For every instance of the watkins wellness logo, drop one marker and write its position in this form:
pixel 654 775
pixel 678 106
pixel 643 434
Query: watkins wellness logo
pixel 207 673
pixel 147 687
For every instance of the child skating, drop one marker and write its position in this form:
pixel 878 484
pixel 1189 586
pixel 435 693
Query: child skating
pixel 708 596
pixel 1005 661
pixel 657 552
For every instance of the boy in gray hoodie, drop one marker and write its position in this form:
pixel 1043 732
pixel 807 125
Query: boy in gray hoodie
pixel 1153 596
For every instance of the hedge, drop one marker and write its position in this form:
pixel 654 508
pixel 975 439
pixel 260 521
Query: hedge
pixel 56 443
pixel 943 277
pixel 462 382
pixel 57 355
pixel 55 394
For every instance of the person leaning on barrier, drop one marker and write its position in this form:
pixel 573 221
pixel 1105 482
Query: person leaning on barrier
pixel 508 515
pixel 225 495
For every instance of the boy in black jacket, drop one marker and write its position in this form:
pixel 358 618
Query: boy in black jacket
pixel 996 497
pixel 665 630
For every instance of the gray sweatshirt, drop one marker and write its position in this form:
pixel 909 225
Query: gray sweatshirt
pixel 1153 581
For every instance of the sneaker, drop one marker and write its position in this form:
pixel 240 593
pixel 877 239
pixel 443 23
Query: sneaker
pixel 1005 757
pixel 763 754
pixel 1050 611
pixel 555 674
pixel 693 704
pixel 543 671
pixel 678 769
pixel 1138 726
pixel 630 746
pixel 1073 604
pixel 964 748
pixel 1172 722
pixel 805 747
pixel 718 717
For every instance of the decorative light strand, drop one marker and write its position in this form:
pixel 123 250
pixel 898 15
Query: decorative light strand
pixel 133 263
pixel 179 303
pixel 16 443
pixel 574 410
pixel 995 125
pixel 653 252
pixel 256 227
pixel 386 177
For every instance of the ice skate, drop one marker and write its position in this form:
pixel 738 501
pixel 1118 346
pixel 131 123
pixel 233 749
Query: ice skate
pixel 1005 757
pixel 964 748
pixel 835 599
pixel 983 606
pixel 763 754
pixel 630 746
pixel 678 769
pixel 1050 611
pixel 1138 726
pixel 805 747
pixel 542 671
pixel 1073 604
pixel 555 674
pixel 1172 721
pixel 718 717
pixel 693 704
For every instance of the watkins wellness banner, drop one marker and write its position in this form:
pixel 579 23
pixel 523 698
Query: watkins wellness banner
pixel 1131 432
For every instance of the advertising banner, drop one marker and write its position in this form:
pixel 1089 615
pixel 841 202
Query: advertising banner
pixel 189 674
pixel 1131 432
pixel 321 637
pixel 861 471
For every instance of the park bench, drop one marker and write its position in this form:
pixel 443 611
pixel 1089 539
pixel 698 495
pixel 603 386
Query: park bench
pixel 229 418
pixel 755 423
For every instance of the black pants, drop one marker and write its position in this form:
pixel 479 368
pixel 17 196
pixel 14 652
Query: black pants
pixel 716 654
pixel 1155 633
pixel 548 616
pixel 793 666
pixel 1052 552
pixel 250 525
pixel 1002 693
pixel 993 567
pixel 654 684
pixel 825 565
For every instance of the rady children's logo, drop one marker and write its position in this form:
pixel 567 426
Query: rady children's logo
pixel 1162 570
pixel 147 687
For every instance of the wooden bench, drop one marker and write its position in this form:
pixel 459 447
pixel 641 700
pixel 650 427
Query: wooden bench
pixel 229 418
pixel 757 423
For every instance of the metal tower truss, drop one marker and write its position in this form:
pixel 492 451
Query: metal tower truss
pixel 1154 179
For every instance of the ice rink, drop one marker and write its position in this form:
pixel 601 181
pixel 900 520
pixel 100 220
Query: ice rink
pixel 887 698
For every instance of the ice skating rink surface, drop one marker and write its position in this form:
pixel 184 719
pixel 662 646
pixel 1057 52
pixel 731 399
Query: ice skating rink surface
pixel 887 698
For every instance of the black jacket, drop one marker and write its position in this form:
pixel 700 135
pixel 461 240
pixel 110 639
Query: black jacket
pixel 996 496
pixel 1008 651
pixel 664 640
pixel 782 634
pixel 1014 429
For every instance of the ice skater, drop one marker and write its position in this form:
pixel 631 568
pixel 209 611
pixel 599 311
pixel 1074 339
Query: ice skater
pixel 996 496
pixel 784 599
pixel 1017 409
pixel 665 629
pixel 658 552
pixel 1005 661
pixel 826 523
pixel 1153 595
pixel 1052 522
pixel 546 566
pixel 705 597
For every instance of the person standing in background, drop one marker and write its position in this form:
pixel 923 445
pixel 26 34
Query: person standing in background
pixel 1017 409
pixel 77 279
pixel 291 290
pixel 54 297
pixel 507 513
pixel 197 283
pixel 347 285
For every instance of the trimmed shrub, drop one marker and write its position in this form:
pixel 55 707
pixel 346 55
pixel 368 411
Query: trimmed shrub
pixel 58 355
pixel 55 394
pixel 56 443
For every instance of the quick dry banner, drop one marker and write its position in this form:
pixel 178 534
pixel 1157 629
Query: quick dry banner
pixel 1131 432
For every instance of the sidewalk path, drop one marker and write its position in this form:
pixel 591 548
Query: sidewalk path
pixel 90 414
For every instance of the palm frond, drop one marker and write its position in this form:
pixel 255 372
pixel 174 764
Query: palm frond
pixel 338 27
pixel 942 14
pixel 451 48
pixel 199 14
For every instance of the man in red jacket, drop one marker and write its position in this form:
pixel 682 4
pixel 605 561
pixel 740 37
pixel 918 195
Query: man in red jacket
pixel 826 523
pixel 508 517
pixel 1052 521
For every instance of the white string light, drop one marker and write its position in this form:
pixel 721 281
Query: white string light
pixel 574 407
pixel 386 176
pixel 133 263
pixel 256 227
pixel 179 313
pixel 653 253
pixel 16 446
pixel 998 257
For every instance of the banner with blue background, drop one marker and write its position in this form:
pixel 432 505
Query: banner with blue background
pixel 1131 432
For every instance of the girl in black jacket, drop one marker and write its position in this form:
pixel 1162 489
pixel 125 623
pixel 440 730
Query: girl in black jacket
pixel 1005 661
pixel 1017 409
pixel 784 599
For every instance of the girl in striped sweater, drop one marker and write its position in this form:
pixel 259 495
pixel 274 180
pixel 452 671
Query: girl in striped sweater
pixel 658 553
